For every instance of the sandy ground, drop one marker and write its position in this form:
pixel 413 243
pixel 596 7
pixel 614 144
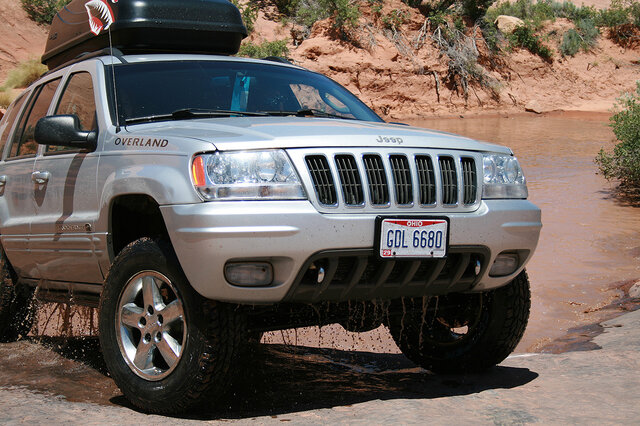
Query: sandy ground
pixel 311 386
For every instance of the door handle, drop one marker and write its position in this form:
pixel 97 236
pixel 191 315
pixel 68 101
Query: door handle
pixel 40 177
pixel 3 181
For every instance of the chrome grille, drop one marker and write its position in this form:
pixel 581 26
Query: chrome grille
pixel 402 179
pixel 468 180
pixel 350 180
pixel 409 178
pixel 449 180
pixel 322 179
pixel 378 188
pixel 426 179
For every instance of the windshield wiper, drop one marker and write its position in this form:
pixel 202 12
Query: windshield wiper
pixel 186 113
pixel 307 112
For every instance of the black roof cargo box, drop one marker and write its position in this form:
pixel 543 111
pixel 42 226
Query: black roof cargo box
pixel 144 26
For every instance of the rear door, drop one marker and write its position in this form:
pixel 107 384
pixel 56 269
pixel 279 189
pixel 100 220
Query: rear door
pixel 66 200
pixel 17 205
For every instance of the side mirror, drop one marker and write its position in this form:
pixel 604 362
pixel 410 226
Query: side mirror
pixel 64 130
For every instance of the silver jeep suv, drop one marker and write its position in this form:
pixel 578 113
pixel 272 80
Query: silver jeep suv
pixel 199 200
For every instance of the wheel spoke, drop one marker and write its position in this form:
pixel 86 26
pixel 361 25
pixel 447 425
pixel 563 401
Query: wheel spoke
pixel 130 315
pixel 150 292
pixel 169 349
pixel 144 355
pixel 172 312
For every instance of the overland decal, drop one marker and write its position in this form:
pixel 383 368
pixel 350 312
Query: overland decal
pixel 100 15
pixel 142 142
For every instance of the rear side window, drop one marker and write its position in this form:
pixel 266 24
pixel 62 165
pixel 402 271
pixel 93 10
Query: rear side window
pixel 8 120
pixel 77 99
pixel 23 142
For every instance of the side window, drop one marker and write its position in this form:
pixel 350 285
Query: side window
pixel 78 99
pixel 23 142
pixel 8 120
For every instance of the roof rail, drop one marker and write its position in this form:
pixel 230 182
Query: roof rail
pixel 277 59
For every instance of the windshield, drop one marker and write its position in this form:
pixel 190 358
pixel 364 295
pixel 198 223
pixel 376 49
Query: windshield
pixel 152 91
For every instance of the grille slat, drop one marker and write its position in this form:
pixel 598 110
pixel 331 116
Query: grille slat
pixel 469 180
pixel 449 180
pixel 402 179
pixel 350 180
pixel 438 180
pixel 426 179
pixel 322 179
pixel 378 188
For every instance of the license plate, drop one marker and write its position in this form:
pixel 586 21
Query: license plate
pixel 421 238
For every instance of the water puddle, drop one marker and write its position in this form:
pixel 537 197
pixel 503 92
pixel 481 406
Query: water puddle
pixel 589 240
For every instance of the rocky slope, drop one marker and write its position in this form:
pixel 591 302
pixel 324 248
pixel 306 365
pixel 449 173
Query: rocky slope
pixel 402 74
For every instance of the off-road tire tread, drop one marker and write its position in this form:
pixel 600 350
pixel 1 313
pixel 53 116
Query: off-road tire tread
pixel 217 329
pixel 508 314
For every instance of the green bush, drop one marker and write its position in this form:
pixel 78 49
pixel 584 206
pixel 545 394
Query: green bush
pixel 268 48
pixel 43 11
pixel 394 20
pixel 525 37
pixel 25 74
pixel 542 10
pixel 287 7
pixel 583 37
pixel 623 164
pixel 571 43
pixel 249 12
pixel 345 13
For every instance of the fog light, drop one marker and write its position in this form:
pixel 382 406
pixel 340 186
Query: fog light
pixel 249 274
pixel 505 264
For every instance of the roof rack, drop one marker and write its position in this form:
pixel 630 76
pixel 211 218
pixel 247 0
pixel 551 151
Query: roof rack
pixel 143 26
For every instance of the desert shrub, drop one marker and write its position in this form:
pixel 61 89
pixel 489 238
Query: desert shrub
pixel 394 20
pixel 475 9
pixel 287 7
pixel 542 10
pixel 584 37
pixel 43 11
pixel 571 43
pixel 526 38
pixel 25 74
pixel 345 13
pixel 268 48
pixel 625 35
pixel 249 12
pixel 492 36
pixel 623 164
pixel 612 17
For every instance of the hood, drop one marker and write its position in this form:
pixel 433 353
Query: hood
pixel 240 133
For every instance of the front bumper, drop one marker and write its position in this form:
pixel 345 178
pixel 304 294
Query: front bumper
pixel 291 234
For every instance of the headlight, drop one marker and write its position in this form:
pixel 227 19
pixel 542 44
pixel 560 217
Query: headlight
pixel 246 175
pixel 503 177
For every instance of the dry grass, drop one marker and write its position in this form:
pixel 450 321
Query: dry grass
pixel 24 74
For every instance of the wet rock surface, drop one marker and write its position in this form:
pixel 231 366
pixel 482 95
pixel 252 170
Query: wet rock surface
pixel 50 381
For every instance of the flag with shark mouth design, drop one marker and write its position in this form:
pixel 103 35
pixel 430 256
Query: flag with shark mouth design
pixel 100 15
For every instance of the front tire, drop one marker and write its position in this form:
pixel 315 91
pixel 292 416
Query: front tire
pixel 463 332
pixel 166 347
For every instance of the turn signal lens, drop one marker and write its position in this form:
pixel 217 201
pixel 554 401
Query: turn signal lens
pixel 197 172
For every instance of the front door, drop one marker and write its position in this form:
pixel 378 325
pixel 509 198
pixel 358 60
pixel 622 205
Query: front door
pixel 66 202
